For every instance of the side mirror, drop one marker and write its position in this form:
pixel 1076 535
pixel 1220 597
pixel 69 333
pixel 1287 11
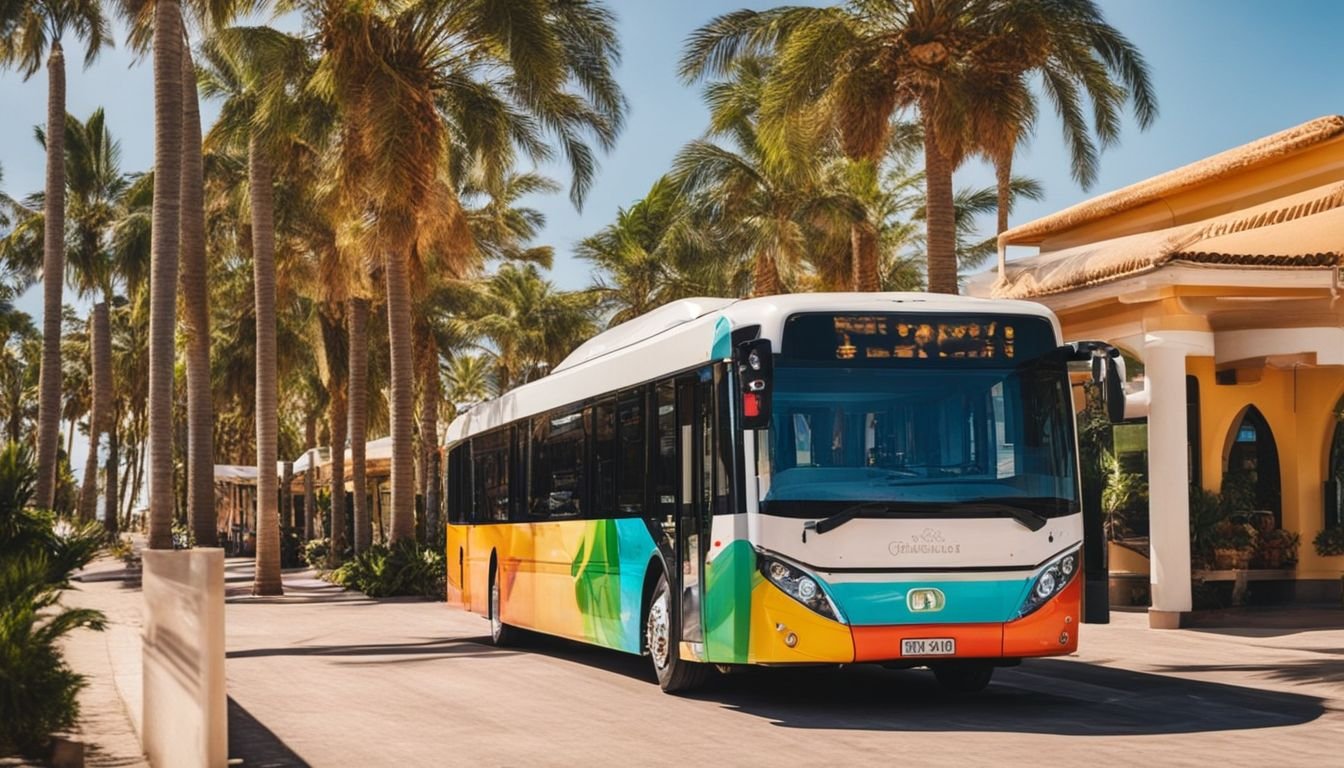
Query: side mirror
pixel 756 370
pixel 1107 370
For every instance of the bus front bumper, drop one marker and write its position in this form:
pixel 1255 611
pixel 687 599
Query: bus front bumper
pixel 789 633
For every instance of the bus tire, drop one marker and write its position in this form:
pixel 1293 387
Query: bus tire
pixel 663 636
pixel 501 635
pixel 969 676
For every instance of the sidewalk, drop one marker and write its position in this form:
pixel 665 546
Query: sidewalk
pixel 110 662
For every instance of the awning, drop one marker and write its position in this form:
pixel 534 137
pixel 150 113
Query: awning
pixel 1300 231
pixel 242 474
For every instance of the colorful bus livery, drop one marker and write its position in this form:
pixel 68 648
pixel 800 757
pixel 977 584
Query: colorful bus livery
pixel 806 479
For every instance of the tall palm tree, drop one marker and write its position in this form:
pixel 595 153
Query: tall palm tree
pixel 31 30
pixel 470 379
pixel 357 315
pixel 251 69
pixel 774 201
pixel 195 302
pixel 855 66
pixel 404 76
pixel 95 185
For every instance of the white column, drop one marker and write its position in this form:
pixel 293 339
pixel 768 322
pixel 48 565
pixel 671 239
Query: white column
pixel 1169 471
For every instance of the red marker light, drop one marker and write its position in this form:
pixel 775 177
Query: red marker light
pixel 751 405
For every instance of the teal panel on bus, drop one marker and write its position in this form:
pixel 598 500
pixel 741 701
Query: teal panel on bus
pixel 967 602
pixel 727 605
pixel 723 340
pixel 608 571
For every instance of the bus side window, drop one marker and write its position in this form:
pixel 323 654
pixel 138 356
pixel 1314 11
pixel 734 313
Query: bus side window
pixel 490 471
pixel 559 472
pixel 458 501
pixel 665 447
pixel 604 457
pixel 630 469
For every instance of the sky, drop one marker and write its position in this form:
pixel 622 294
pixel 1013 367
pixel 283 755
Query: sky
pixel 1226 72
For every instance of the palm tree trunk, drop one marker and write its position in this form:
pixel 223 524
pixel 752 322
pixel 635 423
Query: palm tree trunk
pixel 309 493
pixel 863 244
pixel 163 269
pixel 402 400
pixel 359 400
pixel 309 498
pixel 70 438
pixel 941 221
pixel 53 279
pixel 431 392
pixel 337 418
pixel 764 274
pixel 262 199
pixel 100 328
pixel 110 482
pixel 1003 177
pixel 196 321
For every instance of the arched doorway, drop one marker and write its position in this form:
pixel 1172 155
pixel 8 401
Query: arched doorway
pixel 1334 472
pixel 1251 466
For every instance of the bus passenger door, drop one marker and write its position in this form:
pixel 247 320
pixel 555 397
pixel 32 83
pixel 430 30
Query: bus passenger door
pixel 694 422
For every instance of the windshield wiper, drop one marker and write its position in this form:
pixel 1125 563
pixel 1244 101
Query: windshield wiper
pixel 843 516
pixel 1028 518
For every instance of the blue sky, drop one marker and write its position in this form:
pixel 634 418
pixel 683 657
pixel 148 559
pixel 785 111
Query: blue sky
pixel 1226 71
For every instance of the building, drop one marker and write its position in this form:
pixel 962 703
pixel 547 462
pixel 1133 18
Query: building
pixel 1221 281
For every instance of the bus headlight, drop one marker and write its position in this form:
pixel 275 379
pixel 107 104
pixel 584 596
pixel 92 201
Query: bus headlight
pixel 800 585
pixel 1050 581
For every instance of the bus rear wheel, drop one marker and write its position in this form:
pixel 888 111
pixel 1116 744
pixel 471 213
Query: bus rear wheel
pixel 501 634
pixel 970 676
pixel 663 638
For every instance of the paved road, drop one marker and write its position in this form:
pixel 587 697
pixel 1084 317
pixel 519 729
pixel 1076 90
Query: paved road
pixel 335 679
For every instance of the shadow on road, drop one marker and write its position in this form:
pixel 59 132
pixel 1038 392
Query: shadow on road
pixel 254 744
pixel 466 647
pixel 1045 696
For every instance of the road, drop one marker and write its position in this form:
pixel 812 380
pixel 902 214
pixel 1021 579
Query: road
pixel 331 678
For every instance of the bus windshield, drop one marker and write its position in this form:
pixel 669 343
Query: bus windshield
pixel 922 433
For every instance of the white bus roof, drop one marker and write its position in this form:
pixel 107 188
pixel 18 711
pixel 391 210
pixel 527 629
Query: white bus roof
pixel 681 335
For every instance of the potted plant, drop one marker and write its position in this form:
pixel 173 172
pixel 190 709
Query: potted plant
pixel 1278 549
pixel 1330 542
pixel 1233 544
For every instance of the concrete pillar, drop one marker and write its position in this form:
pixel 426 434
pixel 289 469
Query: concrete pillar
pixel 1169 471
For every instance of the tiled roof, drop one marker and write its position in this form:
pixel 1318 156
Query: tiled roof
pixel 1257 153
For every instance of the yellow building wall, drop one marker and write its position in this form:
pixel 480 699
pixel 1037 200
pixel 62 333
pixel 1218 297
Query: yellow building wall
pixel 1298 407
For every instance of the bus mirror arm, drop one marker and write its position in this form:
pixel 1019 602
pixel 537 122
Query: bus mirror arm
pixel 1105 371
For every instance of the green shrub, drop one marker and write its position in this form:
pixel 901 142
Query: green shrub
pixel 38 695
pixel 38 555
pixel 1330 541
pixel 403 569
pixel 315 553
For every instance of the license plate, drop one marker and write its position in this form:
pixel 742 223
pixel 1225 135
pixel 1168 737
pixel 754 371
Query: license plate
pixel 929 646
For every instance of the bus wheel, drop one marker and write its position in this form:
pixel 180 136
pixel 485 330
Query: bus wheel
pixel 501 634
pixel 969 676
pixel 675 674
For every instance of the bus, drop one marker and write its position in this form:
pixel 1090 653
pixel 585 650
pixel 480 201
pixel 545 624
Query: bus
pixel 810 479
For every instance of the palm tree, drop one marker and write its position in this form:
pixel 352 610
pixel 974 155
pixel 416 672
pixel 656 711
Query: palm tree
pixel 31 30
pixel 470 379
pixel 404 78
pixel 250 68
pixel 530 324
pixel 773 201
pixel 652 254
pixel 95 186
pixel 357 314
pixel 961 63
pixel 196 319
